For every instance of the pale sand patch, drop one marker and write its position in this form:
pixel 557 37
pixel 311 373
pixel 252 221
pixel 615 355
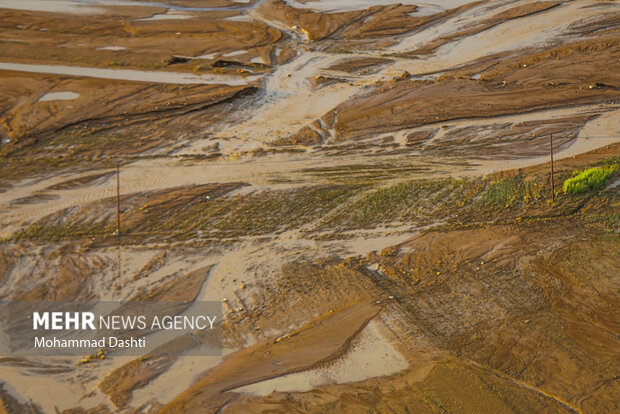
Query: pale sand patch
pixel 169 15
pixel 371 355
pixel 128 74
pixel 113 48
pixel 52 6
pixel 59 96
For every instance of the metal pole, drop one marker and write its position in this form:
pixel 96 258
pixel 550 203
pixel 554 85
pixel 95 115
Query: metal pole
pixel 552 181
pixel 118 201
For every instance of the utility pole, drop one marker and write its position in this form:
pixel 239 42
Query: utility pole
pixel 552 182
pixel 118 201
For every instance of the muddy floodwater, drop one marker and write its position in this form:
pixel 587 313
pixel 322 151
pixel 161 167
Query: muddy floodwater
pixel 124 74
pixel 365 189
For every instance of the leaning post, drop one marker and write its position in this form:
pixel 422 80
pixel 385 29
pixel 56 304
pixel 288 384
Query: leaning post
pixel 118 201
pixel 552 181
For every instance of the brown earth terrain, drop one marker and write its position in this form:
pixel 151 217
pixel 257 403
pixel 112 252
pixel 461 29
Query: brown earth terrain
pixel 365 187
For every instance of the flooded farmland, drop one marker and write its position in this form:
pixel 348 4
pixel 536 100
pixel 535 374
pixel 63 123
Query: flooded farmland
pixel 363 187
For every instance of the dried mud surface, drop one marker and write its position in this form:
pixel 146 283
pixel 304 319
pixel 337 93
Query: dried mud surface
pixel 364 186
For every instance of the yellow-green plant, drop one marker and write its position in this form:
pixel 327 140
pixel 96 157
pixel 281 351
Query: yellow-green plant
pixel 590 179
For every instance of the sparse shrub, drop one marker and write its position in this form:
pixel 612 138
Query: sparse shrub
pixel 590 179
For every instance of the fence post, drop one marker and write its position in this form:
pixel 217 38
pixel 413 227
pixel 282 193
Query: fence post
pixel 552 181
pixel 118 201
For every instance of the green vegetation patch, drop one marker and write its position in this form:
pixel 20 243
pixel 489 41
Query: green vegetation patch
pixel 182 219
pixel 56 232
pixel 590 179
pixel 260 213
pixel 511 192
pixel 418 201
pixel 389 203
